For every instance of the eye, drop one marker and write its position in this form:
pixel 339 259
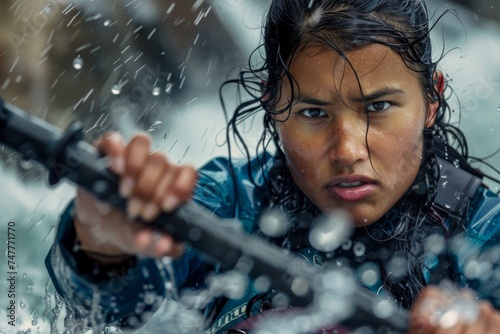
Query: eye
pixel 378 106
pixel 313 112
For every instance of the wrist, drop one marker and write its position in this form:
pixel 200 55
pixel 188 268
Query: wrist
pixel 98 256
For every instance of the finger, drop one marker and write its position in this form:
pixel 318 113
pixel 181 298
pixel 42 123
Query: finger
pixel 112 145
pixel 185 183
pixel 181 189
pixel 153 244
pixel 494 323
pixel 423 311
pixel 156 182
pixel 164 196
pixel 490 317
pixel 136 155
pixel 149 176
pixel 482 322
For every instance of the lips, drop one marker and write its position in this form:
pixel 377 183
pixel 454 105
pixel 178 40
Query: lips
pixel 351 188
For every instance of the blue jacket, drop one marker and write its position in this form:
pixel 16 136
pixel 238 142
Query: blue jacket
pixel 129 295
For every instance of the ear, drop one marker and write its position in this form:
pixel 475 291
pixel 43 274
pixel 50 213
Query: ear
pixel 439 84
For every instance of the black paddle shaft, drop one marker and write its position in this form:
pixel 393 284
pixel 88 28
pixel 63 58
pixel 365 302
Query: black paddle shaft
pixel 67 156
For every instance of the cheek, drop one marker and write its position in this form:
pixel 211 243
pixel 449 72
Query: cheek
pixel 403 157
pixel 301 154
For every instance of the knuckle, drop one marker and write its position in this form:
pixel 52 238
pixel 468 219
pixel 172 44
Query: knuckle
pixel 157 159
pixel 140 139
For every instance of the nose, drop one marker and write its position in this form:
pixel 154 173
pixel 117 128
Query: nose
pixel 348 141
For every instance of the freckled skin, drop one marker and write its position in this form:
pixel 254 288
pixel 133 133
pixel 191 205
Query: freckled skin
pixel 318 149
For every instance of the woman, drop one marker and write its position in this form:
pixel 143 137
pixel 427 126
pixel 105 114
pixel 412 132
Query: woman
pixel 355 107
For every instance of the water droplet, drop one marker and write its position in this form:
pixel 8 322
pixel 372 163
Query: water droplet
pixel 100 187
pixel 273 223
pixel 383 309
pixel 329 231
pixel 116 90
pixel 359 249
pixel 22 305
pixel 232 284
pixel 168 87
pixel 107 23
pixel 156 91
pixel 78 63
pixel 370 274
pixel 347 244
pixel 155 126
pixel 435 243
pixel 25 164
pixel 47 9
pixel 445 183
pixel 262 283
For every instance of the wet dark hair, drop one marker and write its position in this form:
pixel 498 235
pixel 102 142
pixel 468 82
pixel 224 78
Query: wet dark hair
pixel 292 26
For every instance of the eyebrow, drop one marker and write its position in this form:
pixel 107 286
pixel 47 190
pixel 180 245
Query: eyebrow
pixel 367 97
pixel 378 94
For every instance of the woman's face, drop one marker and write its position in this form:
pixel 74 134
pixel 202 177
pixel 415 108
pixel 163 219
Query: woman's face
pixel 325 136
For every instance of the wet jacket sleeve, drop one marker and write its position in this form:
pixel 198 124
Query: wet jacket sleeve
pixel 477 251
pixel 127 294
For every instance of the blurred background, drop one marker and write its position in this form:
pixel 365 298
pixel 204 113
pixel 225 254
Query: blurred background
pixel 156 66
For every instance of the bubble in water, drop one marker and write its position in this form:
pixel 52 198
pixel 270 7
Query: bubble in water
pixel 492 129
pixel 78 63
pixel 384 308
pixel 273 223
pixel 359 249
pixel 22 305
pixel 116 89
pixel 329 231
pixel 262 283
pixel 168 87
pixel 156 91
pixel 347 244
pixel 370 274
pixel 107 23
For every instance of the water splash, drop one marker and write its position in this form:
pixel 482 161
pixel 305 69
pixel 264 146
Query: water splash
pixel 329 231
pixel 273 223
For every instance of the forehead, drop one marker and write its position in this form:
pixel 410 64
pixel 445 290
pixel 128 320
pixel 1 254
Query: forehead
pixel 373 64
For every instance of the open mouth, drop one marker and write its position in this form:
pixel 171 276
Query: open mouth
pixel 350 185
